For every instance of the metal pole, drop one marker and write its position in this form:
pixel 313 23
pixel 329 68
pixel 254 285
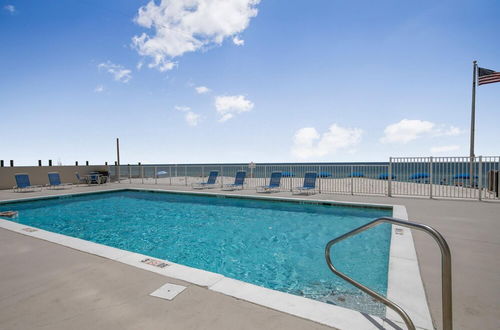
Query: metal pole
pixel 473 119
pixel 118 158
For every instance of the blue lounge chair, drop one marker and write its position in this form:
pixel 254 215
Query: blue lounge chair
pixel 211 182
pixel 239 180
pixel 55 181
pixel 274 183
pixel 80 179
pixel 23 183
pixel 309 186
pixel 385 176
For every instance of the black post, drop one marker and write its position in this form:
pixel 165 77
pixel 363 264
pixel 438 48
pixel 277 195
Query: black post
pixel 106 163
pixel 139 163
pixel 1 163
pixel 50 162
pixel 39 162
pixel 116 163
pixel 76 163
pixel 11 163
pixel 87 163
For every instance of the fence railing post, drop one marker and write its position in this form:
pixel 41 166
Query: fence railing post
pixel 319 179
pixel 352 180
pixel 480 178
pixel 265 174
pixel 430 177
pixel 170 174
pixel 156 175
pixel 389 178
pixel 186 175
pixel 222 176
pixel 142 173
pixel 129 174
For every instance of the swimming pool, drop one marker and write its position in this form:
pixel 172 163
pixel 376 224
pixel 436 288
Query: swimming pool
pixel 278 245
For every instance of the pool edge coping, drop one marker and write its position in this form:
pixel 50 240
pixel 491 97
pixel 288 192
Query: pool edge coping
pixel 403 269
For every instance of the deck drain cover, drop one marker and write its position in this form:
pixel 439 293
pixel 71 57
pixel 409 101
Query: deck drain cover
pixel 399 231
pixel 168 291
pixel 155 262
pixel 30 230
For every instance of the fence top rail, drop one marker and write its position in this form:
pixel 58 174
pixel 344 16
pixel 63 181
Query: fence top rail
pixel 324 164
pixel 260 165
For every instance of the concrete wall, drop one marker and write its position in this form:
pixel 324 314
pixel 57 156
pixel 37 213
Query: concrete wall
pixel 38 174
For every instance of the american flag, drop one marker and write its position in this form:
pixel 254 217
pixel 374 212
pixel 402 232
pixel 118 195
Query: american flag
pixel 487 76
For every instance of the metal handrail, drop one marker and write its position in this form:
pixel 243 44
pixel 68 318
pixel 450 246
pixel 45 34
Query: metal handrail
pixel 445 269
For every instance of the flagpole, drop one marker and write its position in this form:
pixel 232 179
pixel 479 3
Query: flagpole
pixel 473 109
pixel 472 122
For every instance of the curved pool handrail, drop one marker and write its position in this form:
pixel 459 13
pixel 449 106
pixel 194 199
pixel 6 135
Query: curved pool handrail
pixel 445 269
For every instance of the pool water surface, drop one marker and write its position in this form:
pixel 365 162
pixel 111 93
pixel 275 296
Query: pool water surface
pixel 278 245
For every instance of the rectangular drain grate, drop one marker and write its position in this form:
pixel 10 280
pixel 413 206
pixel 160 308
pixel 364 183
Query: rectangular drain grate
pixel 30 230
pixel 155 262
pixel 168 291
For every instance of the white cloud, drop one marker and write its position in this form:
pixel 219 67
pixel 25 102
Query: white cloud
pixel 408 130
pixel 228 106
pixel 181 26
pixel 192 118
pixel 448 131
pixel 182 108
pixel 238 42
pixel 308 143
pixel 444 149
pixel 118 71
pixel 99 89
pixel 10 8
pixel 202 89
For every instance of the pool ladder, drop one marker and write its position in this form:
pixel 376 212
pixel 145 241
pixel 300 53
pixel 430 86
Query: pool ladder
pixel 445 269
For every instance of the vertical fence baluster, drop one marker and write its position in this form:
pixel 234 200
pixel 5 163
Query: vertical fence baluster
pixel 221 176
pixel 480 178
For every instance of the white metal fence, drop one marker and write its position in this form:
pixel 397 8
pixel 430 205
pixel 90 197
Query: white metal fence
pixel 439 177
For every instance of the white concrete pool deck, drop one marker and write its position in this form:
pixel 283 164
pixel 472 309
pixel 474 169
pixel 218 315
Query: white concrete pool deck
pixel 227 285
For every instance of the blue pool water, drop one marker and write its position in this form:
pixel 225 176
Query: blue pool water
pixel 278 245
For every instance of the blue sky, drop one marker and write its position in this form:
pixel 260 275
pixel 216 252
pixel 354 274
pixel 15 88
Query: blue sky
pixel 283 80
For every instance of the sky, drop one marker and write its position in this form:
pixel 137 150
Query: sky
pixel 207 81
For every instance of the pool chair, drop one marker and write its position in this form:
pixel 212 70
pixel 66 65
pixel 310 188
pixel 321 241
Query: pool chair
pixel 23 183
pixel 55 181
pixel 239 180
pixel 80 179
pixel 309 186
pixel 211 182
pixel 274 184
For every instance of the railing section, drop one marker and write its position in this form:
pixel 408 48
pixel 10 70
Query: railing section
pixel 430 177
